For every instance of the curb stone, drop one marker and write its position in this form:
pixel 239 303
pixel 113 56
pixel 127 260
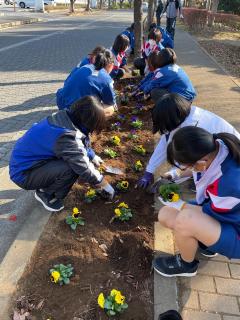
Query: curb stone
pixel 165 289
pixel 21 249
pixel 12 24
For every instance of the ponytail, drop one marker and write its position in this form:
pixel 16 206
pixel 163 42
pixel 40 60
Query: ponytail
pixel 103 59
pixel 232 142
pixel 190 144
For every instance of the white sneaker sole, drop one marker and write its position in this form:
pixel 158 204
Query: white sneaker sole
pixel 176 275
pixel 45 206
pixel 209 256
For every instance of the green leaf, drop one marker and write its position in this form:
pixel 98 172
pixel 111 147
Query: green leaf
pixel 66 281
pixel 112 312
pixel 124 306
pixel 107 304
pixel 73 226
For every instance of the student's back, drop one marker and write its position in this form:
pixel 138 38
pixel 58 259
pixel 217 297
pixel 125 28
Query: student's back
pixel 174 79
pixel 73 87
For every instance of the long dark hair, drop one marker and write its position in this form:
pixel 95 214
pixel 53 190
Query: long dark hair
pixel 103 59
pixel 88 112
pixel 169 112
pixel 121 43
pixel 155 34
pixel 190 144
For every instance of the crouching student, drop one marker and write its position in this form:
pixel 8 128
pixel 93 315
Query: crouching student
pixel 90 59
pixel 119 50
pixel 214 221
pixel 171 113
pixel 166 40
pixel 90 80
pixel 55 152
pixel 166 77
pixel 152 44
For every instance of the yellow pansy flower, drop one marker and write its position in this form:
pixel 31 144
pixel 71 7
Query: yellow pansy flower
pixel 124 184
pixel 75 210
pixel 123 205
pixel 75 213
pixel 119 298
pixel 139 163
pixel 55 275
pixel 113 292
pixel 101 300
pixel 117 212
pixel 91 193
pixel 115 140
pixel 175 197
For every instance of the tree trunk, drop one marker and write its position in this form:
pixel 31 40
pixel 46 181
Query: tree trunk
pixel 215 4
pixel 150 13
pixel 88 5
pixel 109 4
pixel 100 4
pixel 71 7
pixel 208 5
pixel 138 27
pixel 121 3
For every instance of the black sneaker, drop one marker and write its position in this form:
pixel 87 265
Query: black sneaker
pixel 174 266
pixel 207 253
pixel 170 315
pixel 50 203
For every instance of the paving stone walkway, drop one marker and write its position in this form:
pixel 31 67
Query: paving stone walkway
pixel 214 294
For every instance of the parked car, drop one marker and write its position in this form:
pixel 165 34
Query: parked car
pixel 145 6
pixel 31 3
pixel 7 2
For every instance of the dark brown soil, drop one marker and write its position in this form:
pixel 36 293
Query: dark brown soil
pixel 125 266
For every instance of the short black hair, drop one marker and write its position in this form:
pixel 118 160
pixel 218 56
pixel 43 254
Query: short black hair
pixel 121 43
pixel 158 59
pixel 152 26
pixel 88 112
pixel 103 59
pixel 169 112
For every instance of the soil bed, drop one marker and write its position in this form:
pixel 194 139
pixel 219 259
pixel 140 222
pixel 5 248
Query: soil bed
pixel 126 264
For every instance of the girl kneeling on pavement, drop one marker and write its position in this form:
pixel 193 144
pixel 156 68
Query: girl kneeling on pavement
pixel 55 152
pixel 214 221
pixel 171 113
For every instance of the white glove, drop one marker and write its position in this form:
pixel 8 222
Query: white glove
pixel 97 160
pixel 181 16
pixel 109 189
pixel 172 174
pixel 178 205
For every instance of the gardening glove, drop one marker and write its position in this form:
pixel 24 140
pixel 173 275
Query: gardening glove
pixel 181 16
pixel 156 185
pixel 106 190
pixel 146 180
pixel 97 160
pixel 172 174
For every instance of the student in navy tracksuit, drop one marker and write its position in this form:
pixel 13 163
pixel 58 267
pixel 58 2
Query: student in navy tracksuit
pixel 166 40
pixel 166 77
pixel 213 222
pixel 129 32
pixel 93 80
pixel 55 152
pixel 90 59
pixel 119 50
pixel 152 44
